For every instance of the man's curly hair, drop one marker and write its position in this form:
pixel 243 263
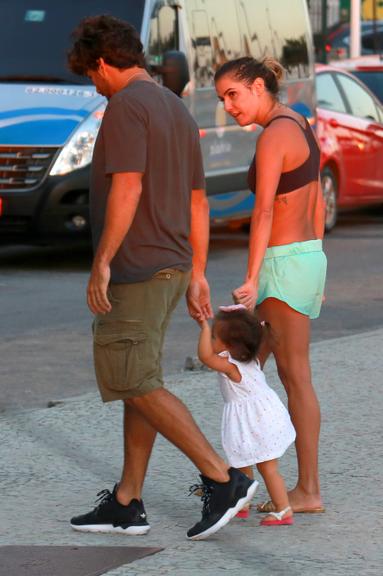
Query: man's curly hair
pixel 112 39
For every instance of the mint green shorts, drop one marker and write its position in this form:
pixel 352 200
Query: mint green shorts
pixel 295 273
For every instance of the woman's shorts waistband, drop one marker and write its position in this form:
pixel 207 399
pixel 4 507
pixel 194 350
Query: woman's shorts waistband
pixel 294 249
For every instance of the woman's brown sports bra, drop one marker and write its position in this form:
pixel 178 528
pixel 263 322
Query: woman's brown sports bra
pixel 300 176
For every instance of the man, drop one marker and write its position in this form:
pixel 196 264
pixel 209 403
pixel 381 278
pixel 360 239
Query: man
pixel 149 217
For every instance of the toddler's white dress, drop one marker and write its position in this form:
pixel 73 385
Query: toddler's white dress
pixel 256 426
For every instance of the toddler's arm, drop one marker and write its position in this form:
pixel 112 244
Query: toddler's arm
pixel 207 355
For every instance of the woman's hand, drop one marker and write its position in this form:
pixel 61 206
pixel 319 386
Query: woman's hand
pixel 246 295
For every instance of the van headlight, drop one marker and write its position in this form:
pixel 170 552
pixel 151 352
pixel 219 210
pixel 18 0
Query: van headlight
pixel 78 151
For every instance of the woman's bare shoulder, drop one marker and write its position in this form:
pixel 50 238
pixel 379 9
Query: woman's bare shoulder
pixel 283 133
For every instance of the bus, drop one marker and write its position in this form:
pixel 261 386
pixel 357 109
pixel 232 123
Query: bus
pixel 49 118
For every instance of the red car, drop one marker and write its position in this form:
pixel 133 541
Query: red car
pixel 369 69
pixel 350 132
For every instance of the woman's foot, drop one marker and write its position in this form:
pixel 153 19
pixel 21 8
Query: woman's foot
pixel 282 517
pixel 300 502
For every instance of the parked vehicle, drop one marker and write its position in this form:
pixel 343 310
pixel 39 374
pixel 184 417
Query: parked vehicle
pixel 338 39
pixel 350 132
pixel 49 118
pixel 369 69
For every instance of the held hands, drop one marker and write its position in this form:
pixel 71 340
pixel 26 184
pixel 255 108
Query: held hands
pixel 198 299
pixel 246 294
pixel 97 298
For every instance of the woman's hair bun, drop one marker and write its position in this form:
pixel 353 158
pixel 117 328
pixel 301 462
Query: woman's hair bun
pixel 275 67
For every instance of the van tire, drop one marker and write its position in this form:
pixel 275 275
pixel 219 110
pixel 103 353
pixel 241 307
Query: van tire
pixel 330 193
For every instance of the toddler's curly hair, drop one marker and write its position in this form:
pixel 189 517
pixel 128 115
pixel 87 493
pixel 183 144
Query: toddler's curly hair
pixel 241 331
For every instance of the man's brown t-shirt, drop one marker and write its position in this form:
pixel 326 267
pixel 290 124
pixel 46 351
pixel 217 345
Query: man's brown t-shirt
pixel 146 128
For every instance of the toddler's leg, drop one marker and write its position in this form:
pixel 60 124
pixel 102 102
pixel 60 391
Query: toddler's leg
pixel 248 470
pixel 275 486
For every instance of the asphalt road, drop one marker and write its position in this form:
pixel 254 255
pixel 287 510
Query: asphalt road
pixel 45 342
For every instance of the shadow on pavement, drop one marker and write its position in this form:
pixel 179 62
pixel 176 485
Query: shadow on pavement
pixel 64 560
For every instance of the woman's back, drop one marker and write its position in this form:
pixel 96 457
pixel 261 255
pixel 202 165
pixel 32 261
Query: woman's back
pixel 298 204
pixel 296 215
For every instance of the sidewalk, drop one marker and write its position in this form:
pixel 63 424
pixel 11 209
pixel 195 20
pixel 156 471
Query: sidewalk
pixel 55 460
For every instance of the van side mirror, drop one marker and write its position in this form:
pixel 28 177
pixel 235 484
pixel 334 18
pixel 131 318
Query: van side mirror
pixel 175 71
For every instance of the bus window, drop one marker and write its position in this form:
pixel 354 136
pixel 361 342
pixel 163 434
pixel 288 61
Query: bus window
pixel 163 33
pixel 266 31
pixel 203 61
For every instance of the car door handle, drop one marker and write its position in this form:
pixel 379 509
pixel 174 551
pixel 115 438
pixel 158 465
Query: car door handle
pixel 375 127
pixel 334 123
pixel 375 130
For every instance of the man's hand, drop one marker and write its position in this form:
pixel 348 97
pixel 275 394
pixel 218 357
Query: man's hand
pixel 198 299
pixel 246 295
pixel 97 298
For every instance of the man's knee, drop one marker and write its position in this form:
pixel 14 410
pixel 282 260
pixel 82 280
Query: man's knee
pixel 148 398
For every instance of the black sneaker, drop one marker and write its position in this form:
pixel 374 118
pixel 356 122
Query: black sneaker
pixel 111 516
pixel 221 502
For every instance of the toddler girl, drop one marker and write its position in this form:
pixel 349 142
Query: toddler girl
pixel 256 427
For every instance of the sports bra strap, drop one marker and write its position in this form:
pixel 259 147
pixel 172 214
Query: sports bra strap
pixel 289 117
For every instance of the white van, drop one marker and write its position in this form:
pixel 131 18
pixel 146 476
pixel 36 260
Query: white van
pixel 49 117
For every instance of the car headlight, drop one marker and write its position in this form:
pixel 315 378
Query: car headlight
pixel 78 151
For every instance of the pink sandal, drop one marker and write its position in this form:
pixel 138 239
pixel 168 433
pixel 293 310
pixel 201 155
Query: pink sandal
pixel 245 513
pixel 279 520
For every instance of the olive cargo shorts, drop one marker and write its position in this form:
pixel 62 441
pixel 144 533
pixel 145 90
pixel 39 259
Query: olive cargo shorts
pixel 128 340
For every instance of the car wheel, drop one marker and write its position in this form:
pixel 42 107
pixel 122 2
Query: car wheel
pixel 330 193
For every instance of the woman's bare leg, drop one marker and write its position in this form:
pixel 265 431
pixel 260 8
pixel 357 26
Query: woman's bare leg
pixel 290 347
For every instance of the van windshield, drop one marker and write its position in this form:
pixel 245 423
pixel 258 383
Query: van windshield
pixel 35 36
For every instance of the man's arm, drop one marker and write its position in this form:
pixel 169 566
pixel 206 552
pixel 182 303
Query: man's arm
pixel 198 294
pixel 123 199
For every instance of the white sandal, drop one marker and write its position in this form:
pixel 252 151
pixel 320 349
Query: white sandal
pixel 279 520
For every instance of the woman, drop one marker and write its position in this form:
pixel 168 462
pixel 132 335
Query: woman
pixel 286 266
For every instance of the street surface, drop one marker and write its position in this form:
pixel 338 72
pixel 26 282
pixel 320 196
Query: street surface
pixel 45 341
pixel 54 460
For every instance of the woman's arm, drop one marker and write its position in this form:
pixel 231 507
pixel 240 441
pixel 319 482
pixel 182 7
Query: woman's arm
pixel 269 162
pixel 208 357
